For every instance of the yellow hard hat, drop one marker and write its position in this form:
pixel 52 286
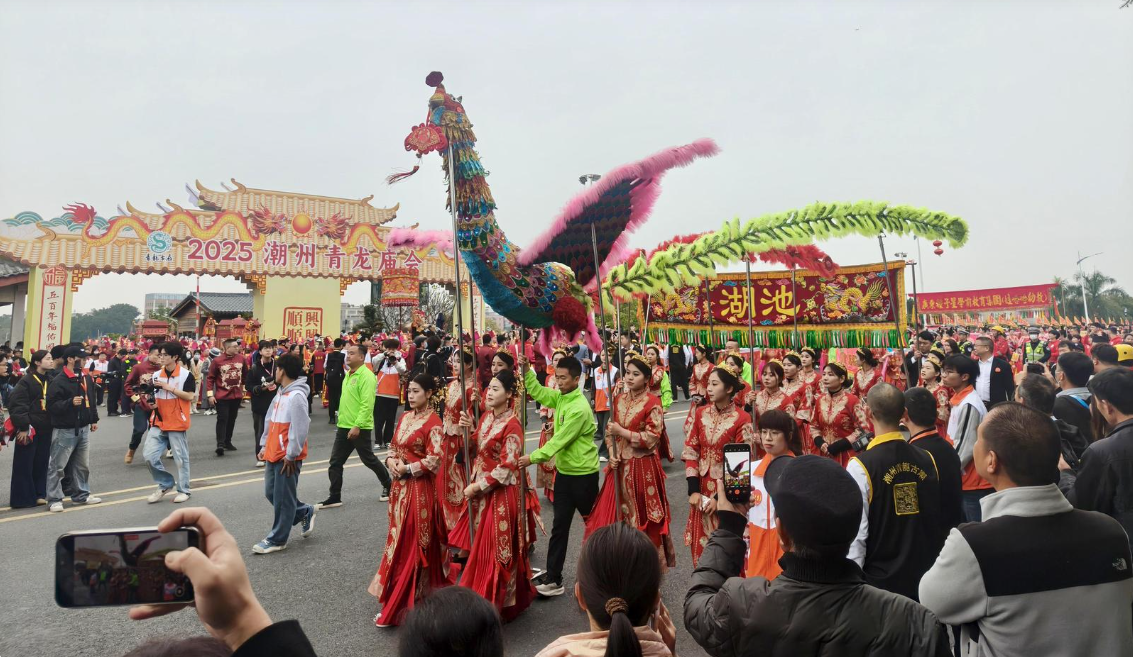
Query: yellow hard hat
pixel 999 328
pixel 1124 353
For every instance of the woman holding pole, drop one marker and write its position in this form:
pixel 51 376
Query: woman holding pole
pixel 498 567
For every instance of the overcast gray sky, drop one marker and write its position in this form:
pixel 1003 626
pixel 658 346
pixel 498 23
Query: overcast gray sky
pixel 1015 116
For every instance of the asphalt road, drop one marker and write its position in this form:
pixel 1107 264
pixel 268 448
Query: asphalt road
pixel 320 580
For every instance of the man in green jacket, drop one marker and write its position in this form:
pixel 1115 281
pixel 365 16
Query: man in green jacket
pixel 355 424
pixel 576 459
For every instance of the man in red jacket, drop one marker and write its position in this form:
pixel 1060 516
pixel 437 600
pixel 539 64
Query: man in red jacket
pixel 141 373
pixel 225 389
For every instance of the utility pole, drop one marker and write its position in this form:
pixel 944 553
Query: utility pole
pixel 1082 280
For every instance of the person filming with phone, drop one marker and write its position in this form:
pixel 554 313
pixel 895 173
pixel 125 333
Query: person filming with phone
pixel 821 602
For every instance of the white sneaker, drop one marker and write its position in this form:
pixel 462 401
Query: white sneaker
pixel 168 453
pixel 156 496
pixel 91 499
pixel 181 497
pixel 56 507
pixel 259 464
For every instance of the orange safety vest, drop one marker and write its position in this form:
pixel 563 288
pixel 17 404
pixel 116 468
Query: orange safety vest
pixel 275 447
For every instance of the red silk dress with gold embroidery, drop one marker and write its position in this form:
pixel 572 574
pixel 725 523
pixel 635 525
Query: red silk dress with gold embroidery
pixel 545 472
pixel 664 448
pixel 497 568
pixel 644 504
pixel 698 385
pixel 412 563
pixel 835 417
pixel 450 478
pixel 943 396
pixel 706 433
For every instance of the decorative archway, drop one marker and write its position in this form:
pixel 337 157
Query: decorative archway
pixel 296 252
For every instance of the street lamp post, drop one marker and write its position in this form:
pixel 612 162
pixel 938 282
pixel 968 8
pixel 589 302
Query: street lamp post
pixel 1082 280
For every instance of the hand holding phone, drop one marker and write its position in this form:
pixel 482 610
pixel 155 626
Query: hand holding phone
pixel 224 601
pixel 737 472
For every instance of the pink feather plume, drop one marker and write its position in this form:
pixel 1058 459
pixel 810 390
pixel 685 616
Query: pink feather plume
pixel 653 167
pixel 420 239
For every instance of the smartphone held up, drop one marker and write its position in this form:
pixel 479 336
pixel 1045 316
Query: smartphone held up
pixel 100 568
pixel 737 472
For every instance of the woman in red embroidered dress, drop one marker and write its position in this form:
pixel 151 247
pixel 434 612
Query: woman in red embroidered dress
pixel 838 418
pixel 931 370
pixel 632 438
pixel 656 379
pixel 772 396
pixel 706 432
pixel 746 396
pixel 868 374
pixel 497 566
pixel 451 479
pixel 504 361
pixel 698 378
pixel 808 375
pixel 412 563
pixel 500 362
pixel 545 472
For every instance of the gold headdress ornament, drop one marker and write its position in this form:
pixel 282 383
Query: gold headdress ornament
pixel 839 367
pixel 809 350
pixel 792 352
pixel 936 358
pixel 633 356
pixel 728 367
pixel 559 351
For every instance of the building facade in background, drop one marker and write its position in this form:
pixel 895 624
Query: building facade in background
pixel 161 301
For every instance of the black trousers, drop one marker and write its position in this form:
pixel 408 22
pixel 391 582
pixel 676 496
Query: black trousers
pixel 678 379
pixel 113 396
pixel 226 412
pixel 385 419
pixel 334 394
pixel 341 450
pixel 258 428
pixel 572 493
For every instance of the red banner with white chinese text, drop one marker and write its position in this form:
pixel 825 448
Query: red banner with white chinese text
pixel 1003 298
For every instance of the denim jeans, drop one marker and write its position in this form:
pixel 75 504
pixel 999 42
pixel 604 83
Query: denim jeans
pixel 157 441
pixel 69 458
pixel 141 426
pixel 970 503
pixel 281 492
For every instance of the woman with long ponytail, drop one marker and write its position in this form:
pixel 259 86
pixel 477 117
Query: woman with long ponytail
pixel 619 587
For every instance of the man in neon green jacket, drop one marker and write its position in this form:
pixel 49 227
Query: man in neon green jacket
pixel 576 459
pixel 355 423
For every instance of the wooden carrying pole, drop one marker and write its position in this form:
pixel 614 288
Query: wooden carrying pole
pixel 460 332
pixel 605 359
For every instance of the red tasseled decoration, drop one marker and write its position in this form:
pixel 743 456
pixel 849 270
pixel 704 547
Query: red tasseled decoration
pixel 569 315
pixel 402 175
pixel 803 256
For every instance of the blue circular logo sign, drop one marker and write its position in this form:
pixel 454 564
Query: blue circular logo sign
pixel 159 241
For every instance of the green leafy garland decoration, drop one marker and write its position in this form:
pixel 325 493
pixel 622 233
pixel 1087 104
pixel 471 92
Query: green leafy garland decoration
pixel 687 264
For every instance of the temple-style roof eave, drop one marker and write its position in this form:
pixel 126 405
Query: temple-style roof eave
pixel 242 189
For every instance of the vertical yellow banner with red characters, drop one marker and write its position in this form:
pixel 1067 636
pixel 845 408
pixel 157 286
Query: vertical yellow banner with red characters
pixel 48 319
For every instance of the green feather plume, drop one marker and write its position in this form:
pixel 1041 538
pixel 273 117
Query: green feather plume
pixel 687 264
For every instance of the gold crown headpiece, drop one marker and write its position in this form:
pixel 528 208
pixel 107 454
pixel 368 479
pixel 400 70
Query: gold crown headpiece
pixel 633 356
pixel 936 358
pixel 728 367
pixel 809 350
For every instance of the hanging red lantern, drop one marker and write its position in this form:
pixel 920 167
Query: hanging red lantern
pixel 937 243
pixel 939 251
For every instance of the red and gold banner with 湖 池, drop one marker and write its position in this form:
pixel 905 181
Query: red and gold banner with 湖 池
pixel 855 307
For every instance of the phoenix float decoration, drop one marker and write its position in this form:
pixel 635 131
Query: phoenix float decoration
pixel 549 284
pixel 544 285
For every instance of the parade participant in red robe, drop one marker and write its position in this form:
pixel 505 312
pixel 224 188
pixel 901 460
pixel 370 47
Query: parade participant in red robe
pixel 706 432
pixel 838 417
pixel 497 567
pixel 772 396
pixel 746 395
pixel 450 479
pixel 656 387
pixel 545 472
pixel 632 439
pixel 412 563
pixel 501 362
pixel 867 376
pixel 931 370
pixel 698 378
pixel 808 374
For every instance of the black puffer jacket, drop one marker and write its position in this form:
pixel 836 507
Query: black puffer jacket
pixel 258 377
pixel 27 401
pixel 815 607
